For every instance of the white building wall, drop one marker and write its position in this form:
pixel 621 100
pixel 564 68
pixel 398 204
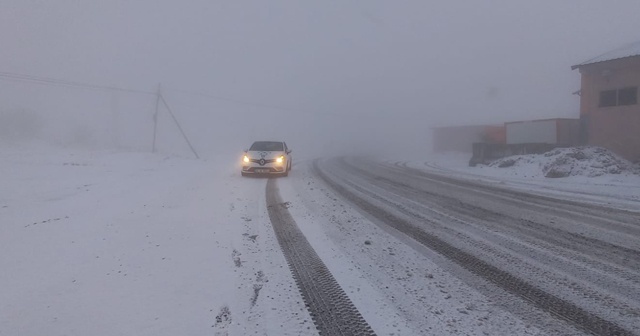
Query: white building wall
pixel 537 131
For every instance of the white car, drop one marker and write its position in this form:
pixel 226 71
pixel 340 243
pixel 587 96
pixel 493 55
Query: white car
pixel 267 157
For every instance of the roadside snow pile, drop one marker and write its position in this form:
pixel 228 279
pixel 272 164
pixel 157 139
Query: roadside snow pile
pixel 575 161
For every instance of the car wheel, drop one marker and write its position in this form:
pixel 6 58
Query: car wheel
pixel 289 165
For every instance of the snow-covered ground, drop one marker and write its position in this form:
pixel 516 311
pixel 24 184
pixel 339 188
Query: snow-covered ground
pixel 593 179
pixel 116 243
pixel 107 243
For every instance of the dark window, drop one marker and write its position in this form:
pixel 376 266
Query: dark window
pixel 628 96
pixel 608 98
pixel 620 97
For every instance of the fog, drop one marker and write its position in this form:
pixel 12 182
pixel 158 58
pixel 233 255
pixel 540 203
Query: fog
pixel 327 77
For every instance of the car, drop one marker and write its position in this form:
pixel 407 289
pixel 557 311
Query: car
pixel 268 158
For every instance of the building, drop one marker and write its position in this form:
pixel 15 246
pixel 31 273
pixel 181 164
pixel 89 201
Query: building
pixel 609 109
pixel 559 132
pixel 528 137
pixel 491 142
pixel 462 138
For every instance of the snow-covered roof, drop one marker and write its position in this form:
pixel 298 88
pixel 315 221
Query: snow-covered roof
pixel 629 50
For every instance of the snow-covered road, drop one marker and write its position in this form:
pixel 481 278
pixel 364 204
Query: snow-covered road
pixel 577 262
pixel 106 243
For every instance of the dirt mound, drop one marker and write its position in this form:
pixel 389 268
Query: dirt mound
pixel 574 161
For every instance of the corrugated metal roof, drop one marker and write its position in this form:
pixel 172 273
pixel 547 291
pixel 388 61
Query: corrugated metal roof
pixel 629 50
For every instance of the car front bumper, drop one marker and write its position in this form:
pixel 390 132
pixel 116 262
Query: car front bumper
pixel 266 169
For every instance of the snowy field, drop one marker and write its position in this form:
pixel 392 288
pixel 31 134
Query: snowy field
pixel 106 243
pixel 115 243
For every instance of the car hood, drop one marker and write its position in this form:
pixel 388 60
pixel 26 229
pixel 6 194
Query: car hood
pixel 264 154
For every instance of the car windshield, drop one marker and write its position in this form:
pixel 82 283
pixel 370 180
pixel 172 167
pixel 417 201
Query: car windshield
pixel 271 146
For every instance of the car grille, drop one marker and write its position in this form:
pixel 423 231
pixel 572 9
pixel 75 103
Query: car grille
pixel 262 162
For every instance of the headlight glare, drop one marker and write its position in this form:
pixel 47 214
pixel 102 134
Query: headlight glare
pixel 280 159
pixel 245 159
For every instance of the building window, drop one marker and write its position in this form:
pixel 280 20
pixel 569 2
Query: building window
pixel 620 97
pixel 628 96
pixel 608 98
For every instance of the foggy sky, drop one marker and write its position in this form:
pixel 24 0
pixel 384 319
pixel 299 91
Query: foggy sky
pixel 403 65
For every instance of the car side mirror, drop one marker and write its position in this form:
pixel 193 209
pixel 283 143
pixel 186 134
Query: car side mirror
pixel 246 150
pixel 289 151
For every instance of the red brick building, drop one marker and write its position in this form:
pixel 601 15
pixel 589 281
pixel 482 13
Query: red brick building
pixel 609 109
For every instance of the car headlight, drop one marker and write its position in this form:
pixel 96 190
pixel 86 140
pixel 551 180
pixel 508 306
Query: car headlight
pixel 245 159
pixel 280 159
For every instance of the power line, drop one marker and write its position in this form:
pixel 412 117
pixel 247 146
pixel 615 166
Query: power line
pixel 241 102
pixel 62 82
pixel 269 106
pixel 66 83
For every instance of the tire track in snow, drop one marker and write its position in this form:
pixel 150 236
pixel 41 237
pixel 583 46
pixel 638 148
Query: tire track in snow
pixel 331 309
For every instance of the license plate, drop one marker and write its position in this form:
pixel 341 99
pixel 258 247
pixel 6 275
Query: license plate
pixel 261 171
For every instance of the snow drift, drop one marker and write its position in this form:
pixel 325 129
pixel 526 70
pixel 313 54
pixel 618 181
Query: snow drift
pixel 574 161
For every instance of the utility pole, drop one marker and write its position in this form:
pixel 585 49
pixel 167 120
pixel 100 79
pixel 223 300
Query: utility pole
pixel 115 119
pixel 179 127
pixel 155 118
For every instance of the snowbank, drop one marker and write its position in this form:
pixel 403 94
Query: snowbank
pixel 575 161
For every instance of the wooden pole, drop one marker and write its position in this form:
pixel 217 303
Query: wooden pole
pixel 155 119
pixel 179 127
